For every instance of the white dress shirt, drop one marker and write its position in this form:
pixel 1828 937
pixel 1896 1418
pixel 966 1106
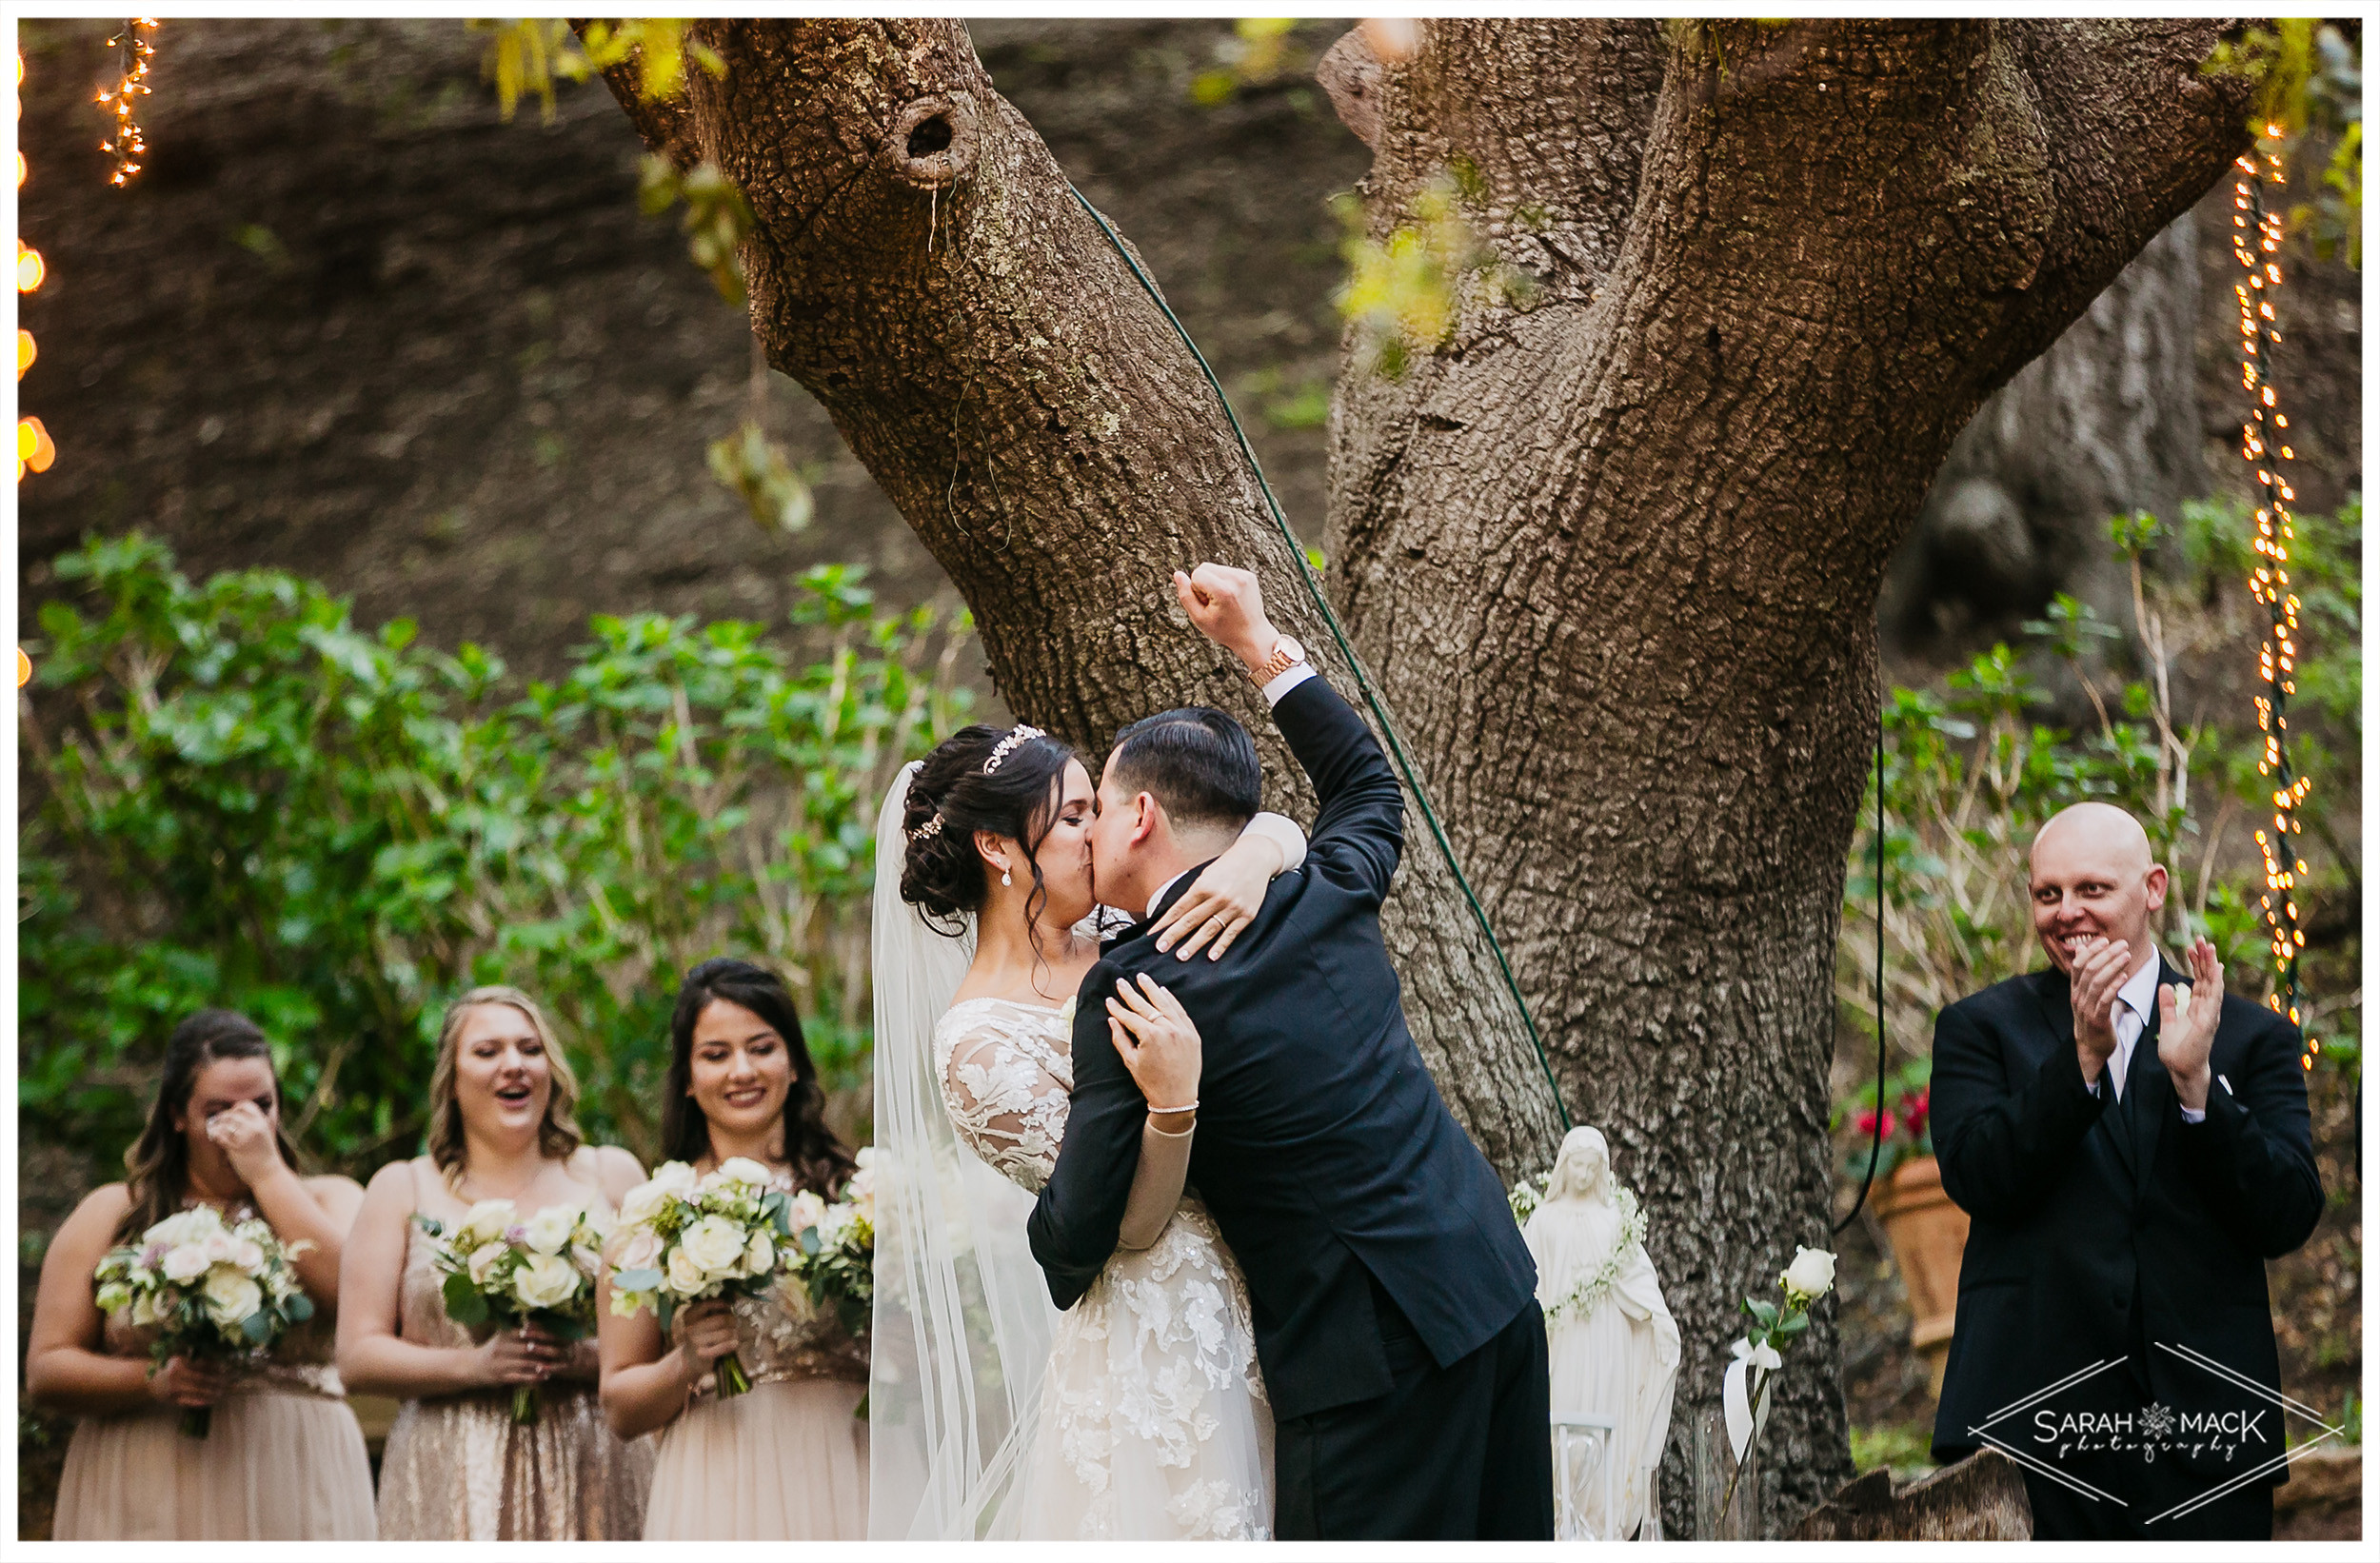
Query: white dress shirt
pixel 2136 1002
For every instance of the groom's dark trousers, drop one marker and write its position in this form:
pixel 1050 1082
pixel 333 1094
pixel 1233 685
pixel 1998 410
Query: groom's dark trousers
pixel 1396 1321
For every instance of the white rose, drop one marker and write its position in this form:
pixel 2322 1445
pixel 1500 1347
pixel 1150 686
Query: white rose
pixel 184 1227
pixel 230 1296
pixel 248 1255
pixel 1811 1274
pixel 643 1202
pixel 685 1276
pixel 674 1177
pixel 485 1223
pixel 760 1255
pixel 714 1242
pixel 807 1210
pixel 597 1222
pixel 184 1262
pixel 484 1259
pixel 743 1169
pixel 547 1281
pixel 146 1309
pixel 642 1250
pixel 550 1230
pixel 220 1246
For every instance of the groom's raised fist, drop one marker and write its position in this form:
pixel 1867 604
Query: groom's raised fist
pixel 1228 607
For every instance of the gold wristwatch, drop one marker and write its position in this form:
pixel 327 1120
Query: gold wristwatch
pixel 1287 654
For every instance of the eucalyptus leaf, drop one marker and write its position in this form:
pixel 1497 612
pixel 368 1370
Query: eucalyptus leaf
pixel 465 1305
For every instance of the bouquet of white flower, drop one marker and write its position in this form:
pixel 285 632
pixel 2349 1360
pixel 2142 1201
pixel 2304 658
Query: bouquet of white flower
pixel 834 1247
pixel 541 1271
pixel 208 1289
pixel 685 1239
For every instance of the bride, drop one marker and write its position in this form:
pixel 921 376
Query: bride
pixel 1140 1414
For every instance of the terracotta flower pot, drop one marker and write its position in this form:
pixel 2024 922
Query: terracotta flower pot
pixel 1928 1235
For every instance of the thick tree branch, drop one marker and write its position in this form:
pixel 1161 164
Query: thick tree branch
pixel 920 264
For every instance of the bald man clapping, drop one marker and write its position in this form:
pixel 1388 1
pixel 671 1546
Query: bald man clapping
pixel 2130 1145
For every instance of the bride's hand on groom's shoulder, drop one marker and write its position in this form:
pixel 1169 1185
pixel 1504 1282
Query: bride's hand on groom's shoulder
pixel 1227 605
pixel 1222 900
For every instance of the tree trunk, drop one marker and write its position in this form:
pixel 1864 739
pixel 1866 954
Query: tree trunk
pixel 2105 423
pixel 920 265
pixel 1614 555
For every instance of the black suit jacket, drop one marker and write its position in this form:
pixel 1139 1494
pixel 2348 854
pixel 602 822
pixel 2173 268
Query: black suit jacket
pixel 1324 1149
pixel 2103 1231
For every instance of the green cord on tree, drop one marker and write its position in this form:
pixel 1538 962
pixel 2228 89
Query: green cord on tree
pixel 1363 682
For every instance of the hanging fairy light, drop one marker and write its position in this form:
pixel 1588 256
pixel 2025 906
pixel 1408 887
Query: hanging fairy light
pixel 34 451
pixel 125 143
pixel 2264 444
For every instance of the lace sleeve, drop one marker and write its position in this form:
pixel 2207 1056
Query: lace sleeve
pixel 1006 1098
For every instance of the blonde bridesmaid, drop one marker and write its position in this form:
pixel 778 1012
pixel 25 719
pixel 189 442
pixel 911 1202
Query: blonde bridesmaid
pixel 787 1459
pixel 283 1459
pixel 457 1468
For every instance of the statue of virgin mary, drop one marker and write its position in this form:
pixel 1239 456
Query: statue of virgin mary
pixel 1612 1344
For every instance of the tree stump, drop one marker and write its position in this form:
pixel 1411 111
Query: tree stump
pixel 1981 1498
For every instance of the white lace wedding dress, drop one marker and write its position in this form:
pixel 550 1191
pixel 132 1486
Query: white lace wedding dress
pixel 1153 1423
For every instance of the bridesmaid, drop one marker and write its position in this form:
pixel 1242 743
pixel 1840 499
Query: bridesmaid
pixel 457 1468
pixel 283 1459
pixel 787 1459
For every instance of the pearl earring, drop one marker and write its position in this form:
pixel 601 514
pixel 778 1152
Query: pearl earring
pixel 1004 879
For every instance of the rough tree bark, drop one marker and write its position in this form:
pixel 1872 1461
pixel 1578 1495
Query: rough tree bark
pixel 2105 422
pixel 1615 557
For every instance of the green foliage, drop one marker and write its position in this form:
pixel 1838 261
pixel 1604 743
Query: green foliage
pixel 1405 295
pixel 525 54
pixel 240 799
pixel 1974 768
pixel 1257 51
pixel 717 221
pixel 2309 79
pixel 1907 1448
pixel 756 471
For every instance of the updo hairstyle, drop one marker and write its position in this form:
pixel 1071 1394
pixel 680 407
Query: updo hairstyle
pixel 942 873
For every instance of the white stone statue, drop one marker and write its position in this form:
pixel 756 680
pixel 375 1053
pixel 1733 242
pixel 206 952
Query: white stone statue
pixel 1612 1344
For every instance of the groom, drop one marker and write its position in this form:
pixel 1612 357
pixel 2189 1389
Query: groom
pixel 1403 1347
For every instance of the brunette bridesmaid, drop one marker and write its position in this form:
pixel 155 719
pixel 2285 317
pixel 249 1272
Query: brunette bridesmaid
pixel 283 1459
pixel 457 1467
pixel 787 1459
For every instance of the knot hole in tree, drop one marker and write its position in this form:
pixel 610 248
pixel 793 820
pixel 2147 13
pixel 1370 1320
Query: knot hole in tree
pixel 932 142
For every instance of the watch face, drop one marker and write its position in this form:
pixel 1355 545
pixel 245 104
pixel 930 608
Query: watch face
pixel 1289 651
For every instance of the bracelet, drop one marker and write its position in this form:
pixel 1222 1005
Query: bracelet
pixel 1161 1112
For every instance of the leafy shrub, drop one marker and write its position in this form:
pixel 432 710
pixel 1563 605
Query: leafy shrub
pixel 238 797
pixel 1973 771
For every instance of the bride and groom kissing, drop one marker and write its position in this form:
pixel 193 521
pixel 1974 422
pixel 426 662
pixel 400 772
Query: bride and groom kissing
pixel 1291 1299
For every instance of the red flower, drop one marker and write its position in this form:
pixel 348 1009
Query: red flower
pixel 1867 1123
pixel 1915 1108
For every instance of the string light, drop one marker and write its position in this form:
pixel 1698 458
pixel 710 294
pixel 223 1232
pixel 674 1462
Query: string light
pixel 125 143
pixel 34 451
pixel 2264 446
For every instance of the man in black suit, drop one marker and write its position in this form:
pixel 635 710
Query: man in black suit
pixel 2131 1146
pixel 1403 1347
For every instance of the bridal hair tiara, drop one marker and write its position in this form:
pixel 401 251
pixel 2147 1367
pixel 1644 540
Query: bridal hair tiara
pixel 1000 751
